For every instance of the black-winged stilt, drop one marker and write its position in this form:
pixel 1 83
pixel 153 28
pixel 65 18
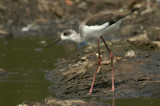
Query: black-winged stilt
pixel 96 26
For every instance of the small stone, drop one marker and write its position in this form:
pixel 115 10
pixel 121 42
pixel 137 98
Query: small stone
pixel 42 42
pixel 106 62
pixel 83 58
pixel 98 55
pixel 141 37
pixel 130 53
pixel 157 43
pixel 68 2
pixel 75 65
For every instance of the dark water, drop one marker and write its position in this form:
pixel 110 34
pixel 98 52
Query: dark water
pixel 25 62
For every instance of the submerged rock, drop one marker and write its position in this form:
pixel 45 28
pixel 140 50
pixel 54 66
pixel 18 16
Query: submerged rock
pixel 2 72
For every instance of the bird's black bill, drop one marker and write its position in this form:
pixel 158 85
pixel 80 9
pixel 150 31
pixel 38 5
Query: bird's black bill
pixel 53 43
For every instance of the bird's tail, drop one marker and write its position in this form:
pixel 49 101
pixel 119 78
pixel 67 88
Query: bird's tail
pixel 125 14
pixel 137 9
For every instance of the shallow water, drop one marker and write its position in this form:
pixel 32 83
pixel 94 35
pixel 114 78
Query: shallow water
pixel 135 102
pixel 26 62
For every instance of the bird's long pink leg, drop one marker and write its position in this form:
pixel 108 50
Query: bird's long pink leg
pixel 99 61
pixel 111 56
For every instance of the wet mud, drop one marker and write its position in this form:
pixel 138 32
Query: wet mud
pixel 135 76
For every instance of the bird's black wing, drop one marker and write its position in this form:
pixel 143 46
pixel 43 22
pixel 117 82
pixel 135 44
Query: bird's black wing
pixel 100 19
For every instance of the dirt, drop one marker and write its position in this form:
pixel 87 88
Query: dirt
pixel 134 76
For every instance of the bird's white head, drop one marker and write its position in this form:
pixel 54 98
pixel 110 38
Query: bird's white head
pixel 70 34
pixel 67 35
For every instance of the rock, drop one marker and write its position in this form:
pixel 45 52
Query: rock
pixel 140 37
pixel 57 10
pixel 30 27
pixel 68 2
pixel 83 58
pixel 2 72
pixel 42 42
pixel 157 43
pixel 83 5
pixel 130 53
pixel 2 31
pixel 106 62
pixel 23 104
pixel 98 55
pixel 43 5
pixel 3 7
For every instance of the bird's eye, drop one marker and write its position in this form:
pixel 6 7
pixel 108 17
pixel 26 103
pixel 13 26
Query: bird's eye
pixel 66 33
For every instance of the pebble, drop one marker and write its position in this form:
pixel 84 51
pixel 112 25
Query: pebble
pixel 106 62
pixel 83 58
pixel 130 53
pixel 157 43
pixel 140 37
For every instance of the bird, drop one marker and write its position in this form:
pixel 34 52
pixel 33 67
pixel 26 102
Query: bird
pixel 96 26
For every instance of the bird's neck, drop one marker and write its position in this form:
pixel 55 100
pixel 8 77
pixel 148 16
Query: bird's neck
pixel 78 38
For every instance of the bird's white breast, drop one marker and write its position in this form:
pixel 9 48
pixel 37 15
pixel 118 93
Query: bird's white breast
pixel 93 31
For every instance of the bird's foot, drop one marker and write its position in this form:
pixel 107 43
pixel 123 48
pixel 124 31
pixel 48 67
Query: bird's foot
pixel 90 92
pixel 112 90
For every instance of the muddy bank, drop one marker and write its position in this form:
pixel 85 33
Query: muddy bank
pixel 137 75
